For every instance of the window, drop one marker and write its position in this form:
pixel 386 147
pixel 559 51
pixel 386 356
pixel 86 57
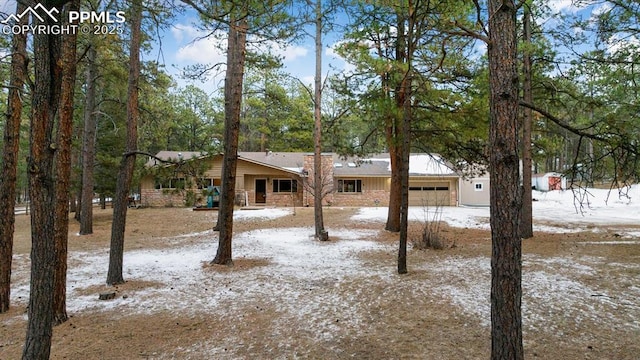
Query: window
pixel 175 183
pixel 428 188
pixel 205 183
pixel 478 186
pixel 349 186
pixel 285 186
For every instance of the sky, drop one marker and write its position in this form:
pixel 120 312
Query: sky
pixel 182 44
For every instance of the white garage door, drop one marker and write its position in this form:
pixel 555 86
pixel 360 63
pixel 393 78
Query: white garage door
pixel 427 193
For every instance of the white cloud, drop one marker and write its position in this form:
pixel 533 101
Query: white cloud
pixel 288 53
pixel 204 51
pixel 618 43
pixel 566 6
pixel 181 32
pixel 601 9
pixel 291 53
pixel 197 46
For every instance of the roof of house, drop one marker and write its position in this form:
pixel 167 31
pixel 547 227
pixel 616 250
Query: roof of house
pixel 376 165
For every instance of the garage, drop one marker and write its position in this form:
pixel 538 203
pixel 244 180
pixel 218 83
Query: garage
pixel 429 193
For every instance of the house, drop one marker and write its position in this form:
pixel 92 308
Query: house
pixel 475 191
pixel 548 181
pixel 286 179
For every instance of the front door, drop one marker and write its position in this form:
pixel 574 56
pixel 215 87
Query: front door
pixel 261 191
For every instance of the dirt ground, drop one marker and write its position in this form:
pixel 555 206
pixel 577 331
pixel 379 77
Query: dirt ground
pixel 405 317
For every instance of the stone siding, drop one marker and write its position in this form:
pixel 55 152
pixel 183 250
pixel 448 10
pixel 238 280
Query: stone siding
pixel 161 198
pixel 327 178
pixel 365 198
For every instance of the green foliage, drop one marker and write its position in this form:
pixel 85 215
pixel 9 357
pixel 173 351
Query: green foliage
pixel 446 117
pixel 595 97
pixel 277 114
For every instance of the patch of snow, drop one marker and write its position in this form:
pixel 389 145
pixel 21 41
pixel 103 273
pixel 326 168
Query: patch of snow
pixel 555 292
pixel 599 206
pixel 296 263
pixel 260 214
pixel 303 279
pixel 460 216
pixel 554 211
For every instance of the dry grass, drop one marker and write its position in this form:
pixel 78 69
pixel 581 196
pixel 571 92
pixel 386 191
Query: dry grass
pixel 377 316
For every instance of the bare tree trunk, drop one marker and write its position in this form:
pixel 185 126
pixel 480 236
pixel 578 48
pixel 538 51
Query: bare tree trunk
pixel 125 175
pixel 236 53
pixel 78 196
pixel 506 199
pixel 88 146
pixel 45 100
pixel 395 139
pixel 395 189
pixel 403 102
pixel 526 222
pixel 63 169
pixel 318 188
pixel 10 160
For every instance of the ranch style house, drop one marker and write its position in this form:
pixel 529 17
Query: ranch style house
pixel 285 179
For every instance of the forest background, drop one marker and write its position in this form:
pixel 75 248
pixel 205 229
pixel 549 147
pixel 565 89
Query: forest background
pixel 418 79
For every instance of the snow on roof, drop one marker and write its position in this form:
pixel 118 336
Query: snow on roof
pixel 378 165
pixel 424 164
pixel 429 164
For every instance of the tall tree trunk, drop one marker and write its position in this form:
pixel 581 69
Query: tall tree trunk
pixel 63 169
pixel 506 199
pixel 394 132
pixel 526 222
pixel 45 100
pixel 78 195
pixel 403 101
pixel 395 189
pixel 236 53
pixel 318 184
pixel 125 175
pixel 88 146
pixel 10 159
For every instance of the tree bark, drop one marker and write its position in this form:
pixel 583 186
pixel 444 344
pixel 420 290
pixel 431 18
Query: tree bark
pixel 10 160
pixel 395 188
pixel 318 188
pixel 403 96
pixel 506 199
pixel 236 53
pixel 526 222
pixel 88 146
pixel 44 104
pixel 63 169
pixel 395 135
pixel 125 174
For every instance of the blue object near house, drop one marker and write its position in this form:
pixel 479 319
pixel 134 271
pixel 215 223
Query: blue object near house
pixel 213 197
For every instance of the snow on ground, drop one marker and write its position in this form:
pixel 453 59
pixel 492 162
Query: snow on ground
pixel 260 214
pixel 560 211
pixel 464 217
pixel 553 288
pixel 293 265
